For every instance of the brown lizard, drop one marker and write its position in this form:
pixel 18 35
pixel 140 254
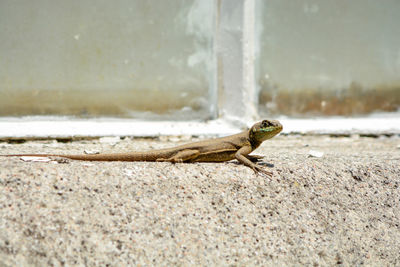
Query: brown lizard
pixel 237 146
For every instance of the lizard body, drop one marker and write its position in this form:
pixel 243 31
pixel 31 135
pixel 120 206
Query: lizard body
pixel 237 146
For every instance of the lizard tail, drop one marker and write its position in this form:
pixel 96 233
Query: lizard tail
pixel 114 157
pixel 132 156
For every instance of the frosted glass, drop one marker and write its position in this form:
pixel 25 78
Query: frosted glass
pixel 105 57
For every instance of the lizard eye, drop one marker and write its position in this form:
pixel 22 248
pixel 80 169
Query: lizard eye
pixel 265 124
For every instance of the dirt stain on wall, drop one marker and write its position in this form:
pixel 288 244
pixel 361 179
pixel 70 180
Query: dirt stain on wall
pixel 352 101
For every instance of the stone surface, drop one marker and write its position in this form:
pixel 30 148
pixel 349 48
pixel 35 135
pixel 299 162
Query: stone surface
pixel 342 208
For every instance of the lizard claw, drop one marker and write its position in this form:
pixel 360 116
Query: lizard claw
pixel 259 170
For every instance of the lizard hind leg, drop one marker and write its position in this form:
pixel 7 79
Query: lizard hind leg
pixel 182 156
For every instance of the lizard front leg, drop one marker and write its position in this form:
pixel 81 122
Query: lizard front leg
pixel 242 154
pixel 182 156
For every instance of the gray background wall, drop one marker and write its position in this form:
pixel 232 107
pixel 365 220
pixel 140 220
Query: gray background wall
pixel 328 57
pixel 194 59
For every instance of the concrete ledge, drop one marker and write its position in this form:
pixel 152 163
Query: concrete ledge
pixel 44 127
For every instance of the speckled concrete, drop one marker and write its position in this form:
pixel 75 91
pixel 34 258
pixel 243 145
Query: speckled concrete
pixel 340 207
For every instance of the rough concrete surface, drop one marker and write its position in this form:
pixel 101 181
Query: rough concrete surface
pixel 331 201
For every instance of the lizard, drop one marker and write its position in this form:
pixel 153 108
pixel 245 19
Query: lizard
pixel 237 146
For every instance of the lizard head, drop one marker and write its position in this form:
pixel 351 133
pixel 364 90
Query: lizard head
pixel 264 130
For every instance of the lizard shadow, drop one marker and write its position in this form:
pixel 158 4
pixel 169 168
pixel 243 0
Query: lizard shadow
pixel 260 163
pixel 266 164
